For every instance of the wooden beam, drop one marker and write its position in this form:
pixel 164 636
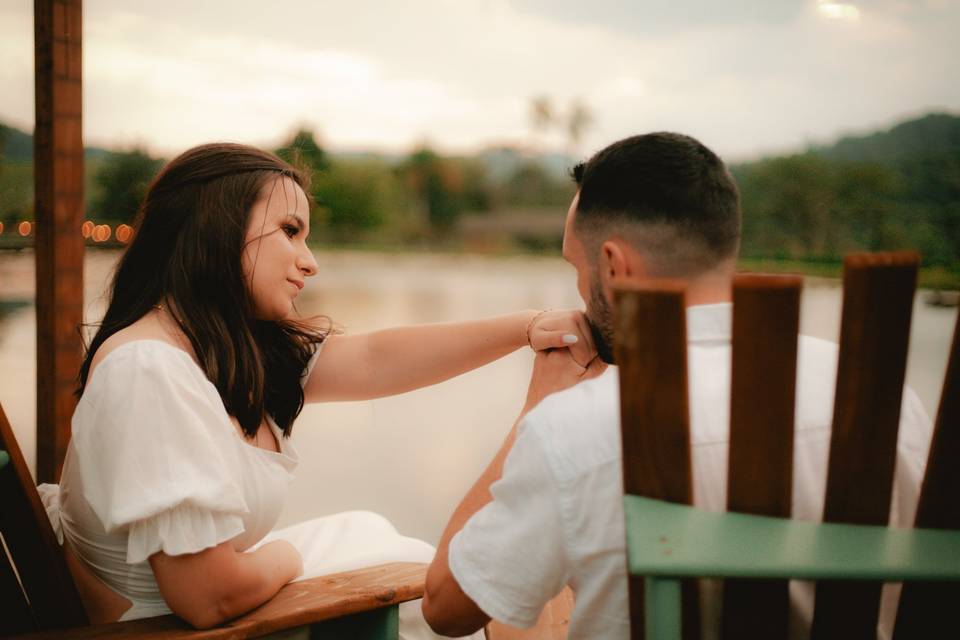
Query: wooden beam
pixel 58 184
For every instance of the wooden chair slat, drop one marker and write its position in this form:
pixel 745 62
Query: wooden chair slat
pixel 874 334
pixel 32 543
pixel 297 604
pixel 927 608
pixel 766 319
pixel 650 349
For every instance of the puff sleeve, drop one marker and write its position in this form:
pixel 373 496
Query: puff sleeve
pixel 157 452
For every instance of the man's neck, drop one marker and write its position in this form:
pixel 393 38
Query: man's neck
pixel 709 289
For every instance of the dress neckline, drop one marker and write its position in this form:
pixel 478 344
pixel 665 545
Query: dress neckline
pixel 284 452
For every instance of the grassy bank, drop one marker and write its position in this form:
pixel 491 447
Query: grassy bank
pixel 937 277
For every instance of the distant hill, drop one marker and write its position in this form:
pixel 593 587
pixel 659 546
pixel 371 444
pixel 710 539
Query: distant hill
pixel 892 189
pixel 936 134
pixel 17 146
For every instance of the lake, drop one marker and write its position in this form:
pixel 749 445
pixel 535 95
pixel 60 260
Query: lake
pixel 410 457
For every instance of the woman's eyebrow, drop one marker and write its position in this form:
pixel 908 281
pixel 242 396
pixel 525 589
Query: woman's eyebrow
pixel 299 220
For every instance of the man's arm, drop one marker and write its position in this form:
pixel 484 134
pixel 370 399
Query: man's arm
pixel 446 607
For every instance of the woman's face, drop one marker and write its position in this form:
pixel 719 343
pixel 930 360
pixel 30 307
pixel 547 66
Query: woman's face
pixel 276 259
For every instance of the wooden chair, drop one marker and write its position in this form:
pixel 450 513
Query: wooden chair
pixel 852 550
pixel 40 600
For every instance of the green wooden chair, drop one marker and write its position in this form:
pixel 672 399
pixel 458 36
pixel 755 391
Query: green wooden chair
pixel 40 600
pixel 754 547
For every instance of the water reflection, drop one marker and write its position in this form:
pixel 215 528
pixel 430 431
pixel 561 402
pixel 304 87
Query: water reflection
pixel 413 456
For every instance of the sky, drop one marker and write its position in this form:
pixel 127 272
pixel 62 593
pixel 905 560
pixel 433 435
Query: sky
pixel 746 77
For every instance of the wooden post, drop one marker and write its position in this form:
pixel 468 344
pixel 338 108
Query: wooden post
pixel 58 183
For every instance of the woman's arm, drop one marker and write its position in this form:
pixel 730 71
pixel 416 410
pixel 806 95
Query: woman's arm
pixel 217 584
pixel 393 361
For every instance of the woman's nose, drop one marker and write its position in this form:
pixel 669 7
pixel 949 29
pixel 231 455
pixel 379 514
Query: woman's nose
pixel 307 263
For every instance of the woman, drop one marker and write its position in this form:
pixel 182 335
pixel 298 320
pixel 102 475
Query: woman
pixel 179 458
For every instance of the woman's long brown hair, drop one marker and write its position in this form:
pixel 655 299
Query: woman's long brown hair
pixel 186 253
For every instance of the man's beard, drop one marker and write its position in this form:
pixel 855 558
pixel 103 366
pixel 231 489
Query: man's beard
pixel 600 319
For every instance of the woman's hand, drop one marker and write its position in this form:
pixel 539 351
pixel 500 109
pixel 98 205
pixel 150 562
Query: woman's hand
pixel 562 328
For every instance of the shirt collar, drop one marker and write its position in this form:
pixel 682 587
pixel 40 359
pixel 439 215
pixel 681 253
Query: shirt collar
pixel 709 322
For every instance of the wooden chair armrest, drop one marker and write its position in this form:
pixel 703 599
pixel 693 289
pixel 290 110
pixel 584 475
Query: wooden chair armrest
pixel 296 604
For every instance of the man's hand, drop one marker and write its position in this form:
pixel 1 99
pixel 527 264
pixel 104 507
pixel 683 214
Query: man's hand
pixel 555 370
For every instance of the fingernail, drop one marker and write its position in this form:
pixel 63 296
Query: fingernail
pixel 569 338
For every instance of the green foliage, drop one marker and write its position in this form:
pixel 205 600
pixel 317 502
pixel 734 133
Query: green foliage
pixel 15 145
pixel 435 185
pixel 16 190
pixel 303 151
pixel 531 185
pixel 935 134
pixel 354 198
pixel 895 189
pixel 898 189
pixel 122 181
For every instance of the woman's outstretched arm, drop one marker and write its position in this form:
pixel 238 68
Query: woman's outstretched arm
pixel 391 361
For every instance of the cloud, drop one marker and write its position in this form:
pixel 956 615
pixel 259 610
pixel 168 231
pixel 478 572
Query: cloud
pixel 662 16
pixel 746 77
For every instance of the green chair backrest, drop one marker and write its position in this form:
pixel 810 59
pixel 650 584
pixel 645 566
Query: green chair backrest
pixel 877 304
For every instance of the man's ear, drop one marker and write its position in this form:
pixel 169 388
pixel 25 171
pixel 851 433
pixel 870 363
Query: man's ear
pixel 617 260
pixel 616 263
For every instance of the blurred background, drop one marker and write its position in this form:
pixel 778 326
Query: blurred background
pixel 441 133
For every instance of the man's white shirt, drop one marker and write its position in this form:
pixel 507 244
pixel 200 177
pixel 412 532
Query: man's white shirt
pixel 556 517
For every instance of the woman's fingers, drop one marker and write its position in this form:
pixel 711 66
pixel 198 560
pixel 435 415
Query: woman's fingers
pixel 559 329
pixel 587 350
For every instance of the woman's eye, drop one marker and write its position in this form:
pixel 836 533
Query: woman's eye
pixel 290 230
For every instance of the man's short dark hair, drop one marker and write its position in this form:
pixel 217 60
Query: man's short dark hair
pixel 666 193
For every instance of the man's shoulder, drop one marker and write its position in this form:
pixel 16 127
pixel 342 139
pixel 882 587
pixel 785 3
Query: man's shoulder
pixel 578 428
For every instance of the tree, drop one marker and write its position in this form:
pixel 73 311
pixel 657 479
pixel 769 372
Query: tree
pixel 354 197
pixel 541 116
pixel 579 120
pixel 122 182
pixel 866 204
pixel 436 184
pixel 302 151
pixel 532 186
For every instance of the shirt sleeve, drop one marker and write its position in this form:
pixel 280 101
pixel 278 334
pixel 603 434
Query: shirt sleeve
pixel 913 447
pixel 153 446
pixel 511 557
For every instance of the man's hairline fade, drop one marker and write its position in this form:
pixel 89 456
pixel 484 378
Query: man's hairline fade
pixel 691 256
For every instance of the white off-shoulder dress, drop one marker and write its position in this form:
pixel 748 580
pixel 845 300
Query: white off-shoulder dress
pixel 155 464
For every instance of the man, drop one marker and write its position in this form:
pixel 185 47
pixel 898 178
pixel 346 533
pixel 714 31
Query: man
pixel 547 512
